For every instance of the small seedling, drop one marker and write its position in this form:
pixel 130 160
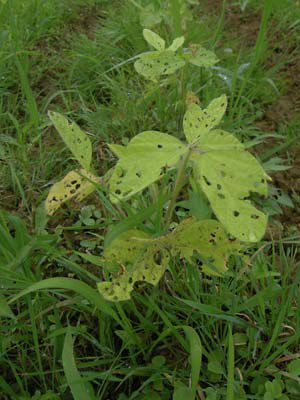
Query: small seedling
pixel 217 161
pixel 166 61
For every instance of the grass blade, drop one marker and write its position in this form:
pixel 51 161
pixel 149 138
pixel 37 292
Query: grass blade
pixel 195 356
pixel 79 389
pixel 70 284
pixel 230 376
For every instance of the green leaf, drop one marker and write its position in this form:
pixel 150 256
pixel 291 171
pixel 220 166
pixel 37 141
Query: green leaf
pixel 292 387
pixel 215 367
pixel 177 43
pixel 269 396
pixel 294 368
pixel 154 39
pixel 197 122
pixel 195 356
pixel 127 247
pixel 77 141
pixel 158 361
pixel 274 388
pixel 146 264
pixel 118 150
pixel 75 285
pixel 211 394
pixel 197 205
pixel 228 175
pixel 201 57
pixel 146 159
pixel 183 392
pixel 219 141
pixel 76 185
pixel 142 258
pixel 207 238
pixel 154 64
pixel 5 310
pixel 79 389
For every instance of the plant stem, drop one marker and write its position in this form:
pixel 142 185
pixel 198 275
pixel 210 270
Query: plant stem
pixel 178 185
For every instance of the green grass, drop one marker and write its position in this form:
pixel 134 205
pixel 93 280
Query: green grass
pixel 62 340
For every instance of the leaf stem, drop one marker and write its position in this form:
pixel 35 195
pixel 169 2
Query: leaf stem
pixel 178 185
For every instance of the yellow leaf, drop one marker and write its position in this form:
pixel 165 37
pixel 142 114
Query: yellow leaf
pixel 77 141
pixel 76 185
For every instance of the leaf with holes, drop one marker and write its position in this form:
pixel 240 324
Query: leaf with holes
pixel 143 258
pixel 147 157
pixel 126 247
pixel 77 141
pixel 154 64
pixel 208 239
pixel 154 39
pixel 140 261
pixel 228 175
pixel 199 56
pixel 197 122
pixel 76 185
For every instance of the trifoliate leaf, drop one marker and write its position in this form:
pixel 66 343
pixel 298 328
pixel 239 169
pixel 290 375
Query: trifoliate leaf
pixel 197 122
pixel 228 175
pixel 177 42
pixel 76 185
pixel 77 141
pixel 142 258
pixel 154 39
pixel 139 261
pixel 201 57
pixel 154 64
pixel 146 159
pixel 208 239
